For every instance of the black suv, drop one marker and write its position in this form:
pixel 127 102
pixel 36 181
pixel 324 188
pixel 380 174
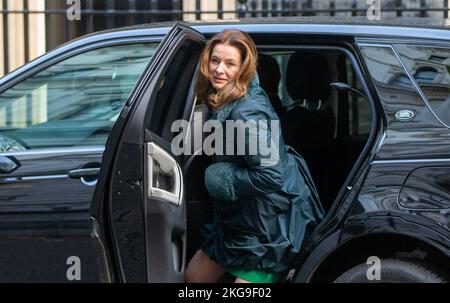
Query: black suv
pixel 91 190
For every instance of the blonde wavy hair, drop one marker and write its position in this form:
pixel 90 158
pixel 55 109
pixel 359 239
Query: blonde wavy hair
pixel 234 89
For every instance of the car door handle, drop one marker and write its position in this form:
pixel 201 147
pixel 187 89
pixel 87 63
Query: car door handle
pixel 163 175
pixel 84 173
pixel 8 165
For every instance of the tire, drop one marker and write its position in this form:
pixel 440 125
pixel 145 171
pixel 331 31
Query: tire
pixel 394 271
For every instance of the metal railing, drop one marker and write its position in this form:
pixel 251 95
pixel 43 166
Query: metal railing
pixel 103 14
pixel 261 8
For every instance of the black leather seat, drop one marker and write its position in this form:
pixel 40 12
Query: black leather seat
pixel 269 78
pixel 309 125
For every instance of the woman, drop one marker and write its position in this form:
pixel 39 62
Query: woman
pixel 262 208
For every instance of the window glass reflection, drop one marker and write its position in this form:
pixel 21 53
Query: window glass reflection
pixel 74 102
pixel 430 68
pixel 391 81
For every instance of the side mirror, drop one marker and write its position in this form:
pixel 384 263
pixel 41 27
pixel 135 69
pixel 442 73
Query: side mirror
pixel 8 164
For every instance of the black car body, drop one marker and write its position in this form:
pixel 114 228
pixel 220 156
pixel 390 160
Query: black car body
pixel 380 156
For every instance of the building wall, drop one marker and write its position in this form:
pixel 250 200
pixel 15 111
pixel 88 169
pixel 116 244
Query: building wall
pixel 210 6
pixel 47 31
pixel 15 32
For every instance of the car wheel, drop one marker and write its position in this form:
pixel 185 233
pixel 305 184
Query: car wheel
pixel 394 271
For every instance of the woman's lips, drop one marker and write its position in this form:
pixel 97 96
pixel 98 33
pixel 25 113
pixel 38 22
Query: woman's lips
pixel 219 80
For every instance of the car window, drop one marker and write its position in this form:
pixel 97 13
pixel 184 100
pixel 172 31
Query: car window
pixel 392 83
pixel 430 68
pixel 74 102
pixel 359 112
pixel 173 90
pixel 358 116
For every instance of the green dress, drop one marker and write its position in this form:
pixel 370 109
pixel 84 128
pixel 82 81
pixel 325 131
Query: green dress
pixel 262 209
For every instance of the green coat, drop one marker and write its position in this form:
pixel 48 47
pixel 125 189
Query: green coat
pixel 261 211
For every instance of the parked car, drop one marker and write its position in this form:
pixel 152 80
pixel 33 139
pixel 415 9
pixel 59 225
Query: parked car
pixel 91 191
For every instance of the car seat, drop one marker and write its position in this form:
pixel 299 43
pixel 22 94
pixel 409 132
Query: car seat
pixel 269 78
pixel 309 124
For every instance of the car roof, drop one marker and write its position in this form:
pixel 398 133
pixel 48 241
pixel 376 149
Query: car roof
pixel 414 22
pixel 400 27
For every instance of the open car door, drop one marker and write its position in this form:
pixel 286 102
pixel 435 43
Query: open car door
pixel 139 203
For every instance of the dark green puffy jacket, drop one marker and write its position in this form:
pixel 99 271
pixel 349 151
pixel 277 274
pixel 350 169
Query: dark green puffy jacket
pixel 262 209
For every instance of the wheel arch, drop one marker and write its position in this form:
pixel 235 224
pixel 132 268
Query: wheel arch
pixel 345 249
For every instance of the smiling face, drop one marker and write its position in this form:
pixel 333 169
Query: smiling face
pixel 224 65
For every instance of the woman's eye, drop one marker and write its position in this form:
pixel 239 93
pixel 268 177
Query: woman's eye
pixel 214 61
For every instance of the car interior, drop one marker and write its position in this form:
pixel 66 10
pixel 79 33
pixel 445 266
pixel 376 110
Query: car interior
pixel 328 127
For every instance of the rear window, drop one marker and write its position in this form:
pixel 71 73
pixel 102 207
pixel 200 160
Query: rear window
pixel 429 66
pixel 393 85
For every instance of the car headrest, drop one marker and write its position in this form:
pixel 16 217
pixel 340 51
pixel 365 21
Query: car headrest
pixel 269 73
pixel 308 77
